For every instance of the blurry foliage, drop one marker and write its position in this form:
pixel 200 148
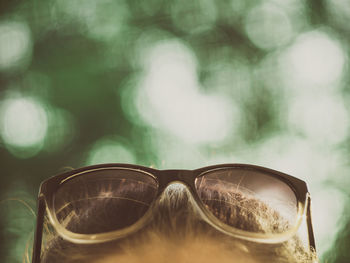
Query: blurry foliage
pixel 151 82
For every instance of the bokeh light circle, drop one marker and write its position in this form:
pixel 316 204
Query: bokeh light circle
pixel 169 97
pixel 315 58
pixel 322 118
pixel 193 16
pixel 339 12
pixel 101 20
pixel 61 130
pixel 327 206
pixel 23 124
pixel 109 150
pixel 268 26
pixel 15 44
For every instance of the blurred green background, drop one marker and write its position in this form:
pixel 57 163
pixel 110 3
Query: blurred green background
pixel 175 84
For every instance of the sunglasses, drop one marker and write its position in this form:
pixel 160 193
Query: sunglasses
pixel 127 193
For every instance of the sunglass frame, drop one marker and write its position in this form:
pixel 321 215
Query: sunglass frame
pixel 49 187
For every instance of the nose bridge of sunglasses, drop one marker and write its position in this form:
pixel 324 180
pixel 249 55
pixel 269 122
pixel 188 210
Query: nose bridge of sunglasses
pixel 180 191
pixel 168 177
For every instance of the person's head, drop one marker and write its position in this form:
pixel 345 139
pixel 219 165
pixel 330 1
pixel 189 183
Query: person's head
pixel 174 227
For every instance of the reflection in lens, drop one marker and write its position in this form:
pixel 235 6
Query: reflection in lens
pixel 104 200
pixel 248 200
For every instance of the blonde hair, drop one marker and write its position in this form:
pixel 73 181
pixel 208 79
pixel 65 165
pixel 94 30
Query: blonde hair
pixel 175 218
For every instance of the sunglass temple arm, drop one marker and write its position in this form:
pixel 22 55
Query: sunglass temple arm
pixel 38 231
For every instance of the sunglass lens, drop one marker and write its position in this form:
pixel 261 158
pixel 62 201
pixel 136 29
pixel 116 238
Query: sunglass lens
pixel 104 200
pixel 248 200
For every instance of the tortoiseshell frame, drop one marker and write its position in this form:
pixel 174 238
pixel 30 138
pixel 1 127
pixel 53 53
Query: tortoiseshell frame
pixel 49 187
